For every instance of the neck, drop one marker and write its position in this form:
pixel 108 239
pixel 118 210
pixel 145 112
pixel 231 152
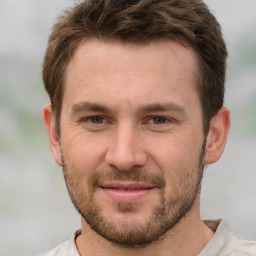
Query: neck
pixel 187 238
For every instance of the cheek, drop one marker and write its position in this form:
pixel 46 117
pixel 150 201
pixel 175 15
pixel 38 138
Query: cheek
pixel 175 151
pixel 82 152
pixel 178 161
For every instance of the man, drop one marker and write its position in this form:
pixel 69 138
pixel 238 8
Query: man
pixel 136 90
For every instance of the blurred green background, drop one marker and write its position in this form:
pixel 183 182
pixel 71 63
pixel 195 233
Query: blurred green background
pixel 35 211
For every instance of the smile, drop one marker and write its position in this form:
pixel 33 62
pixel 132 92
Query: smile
pixel 127 192
pixel 126 189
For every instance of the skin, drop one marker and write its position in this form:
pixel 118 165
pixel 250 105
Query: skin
pixel 123 85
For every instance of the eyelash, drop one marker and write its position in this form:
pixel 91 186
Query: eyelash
pixel 148 121
pixel 89 119
pixel 157 119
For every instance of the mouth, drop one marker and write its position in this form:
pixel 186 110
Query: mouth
pixel 125 189
pixel 127 192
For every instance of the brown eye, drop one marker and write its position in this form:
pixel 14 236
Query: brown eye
pixel 97 119
pixel 159 120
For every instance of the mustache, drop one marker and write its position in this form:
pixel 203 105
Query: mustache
pixel 98 178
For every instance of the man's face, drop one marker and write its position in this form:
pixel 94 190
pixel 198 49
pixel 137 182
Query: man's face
pixel 131 138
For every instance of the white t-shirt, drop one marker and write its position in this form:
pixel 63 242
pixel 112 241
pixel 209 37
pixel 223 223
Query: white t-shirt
pixel 223 243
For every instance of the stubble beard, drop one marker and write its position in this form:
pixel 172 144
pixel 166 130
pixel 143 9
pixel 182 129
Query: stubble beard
pixel 128 233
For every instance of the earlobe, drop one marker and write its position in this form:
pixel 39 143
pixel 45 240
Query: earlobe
pixel 52 132
pixel 217 136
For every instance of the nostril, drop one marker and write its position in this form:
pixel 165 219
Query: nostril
pixel 126 152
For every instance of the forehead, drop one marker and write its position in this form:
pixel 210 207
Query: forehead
pixel 153 56
pixel 129 69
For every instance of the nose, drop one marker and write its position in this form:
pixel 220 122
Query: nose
pixel 126 150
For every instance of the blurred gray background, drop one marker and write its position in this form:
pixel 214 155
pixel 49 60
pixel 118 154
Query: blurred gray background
pixel 35 210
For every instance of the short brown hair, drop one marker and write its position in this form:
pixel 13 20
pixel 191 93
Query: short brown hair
pixel 188 22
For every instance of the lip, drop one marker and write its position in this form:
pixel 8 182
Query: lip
pixel 127 192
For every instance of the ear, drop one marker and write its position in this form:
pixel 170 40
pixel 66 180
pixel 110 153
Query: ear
pixel 53 136
pixel 217 136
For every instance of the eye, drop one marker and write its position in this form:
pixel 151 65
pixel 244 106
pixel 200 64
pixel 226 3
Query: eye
pixel 95 119
pixel 158 120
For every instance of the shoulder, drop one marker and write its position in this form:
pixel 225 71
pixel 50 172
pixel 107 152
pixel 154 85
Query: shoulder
pixel 226 243
pixel 58 250
pixel 238 245
pixel 67 248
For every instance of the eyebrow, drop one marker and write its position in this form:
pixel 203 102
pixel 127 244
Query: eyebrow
pixel 154 107
pixel 162 107
pixel 88 106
